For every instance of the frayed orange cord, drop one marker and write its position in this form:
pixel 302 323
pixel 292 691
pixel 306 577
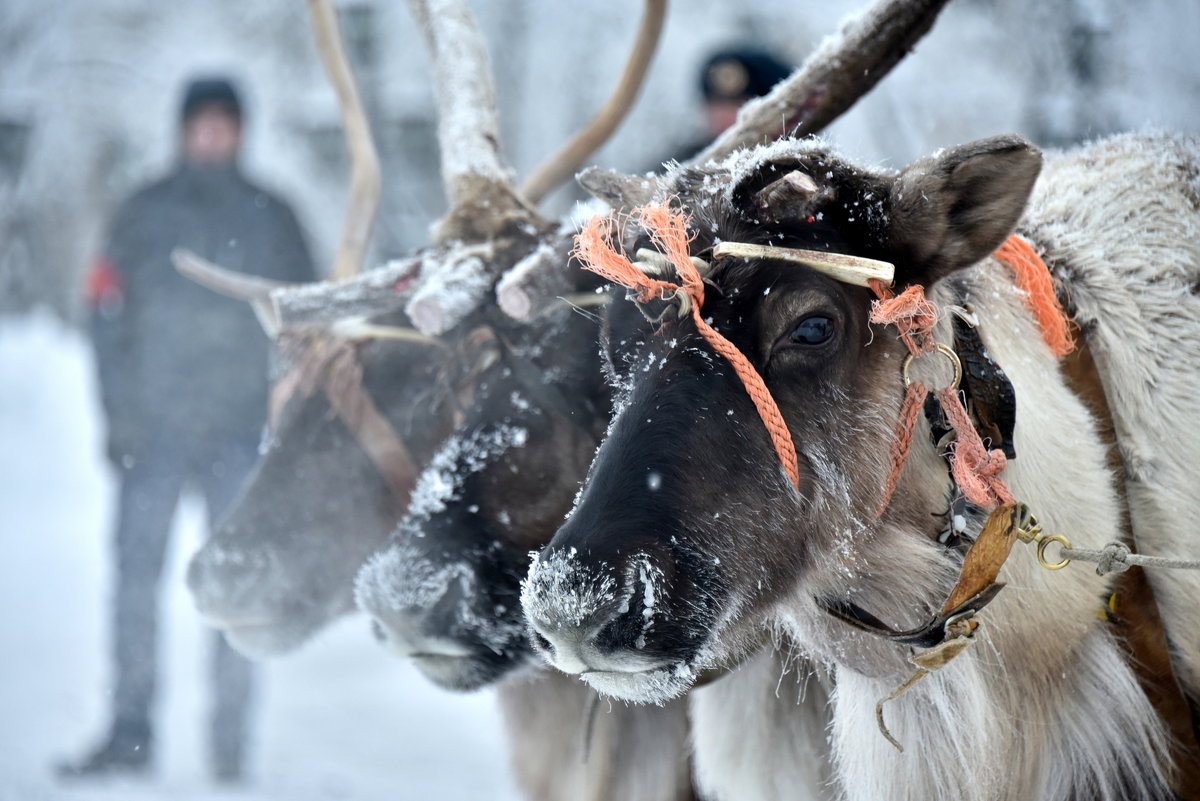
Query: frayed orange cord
pixel 976 469
pixel 668 229
pixel 913 314
pixel 1033 278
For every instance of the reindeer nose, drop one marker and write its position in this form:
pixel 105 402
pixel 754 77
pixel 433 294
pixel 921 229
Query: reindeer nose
pixel 593 614
pixel 223 580
pixel 415 609
pixel 570 644
pixel 412 629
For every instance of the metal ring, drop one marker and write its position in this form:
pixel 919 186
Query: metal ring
pixel 946 351
pixel 1061 540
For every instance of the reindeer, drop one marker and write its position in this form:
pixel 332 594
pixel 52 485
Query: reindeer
pixel 445 591
pixel 691 537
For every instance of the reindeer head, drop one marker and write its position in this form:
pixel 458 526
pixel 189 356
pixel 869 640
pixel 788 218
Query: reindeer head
pixel 445 592
pixel 688 530
pixel 281 564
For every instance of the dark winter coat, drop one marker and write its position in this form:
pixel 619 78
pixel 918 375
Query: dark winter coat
pixel 177 360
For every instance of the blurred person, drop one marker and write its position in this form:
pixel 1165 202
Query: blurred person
pixel 183 379
pixel 728 78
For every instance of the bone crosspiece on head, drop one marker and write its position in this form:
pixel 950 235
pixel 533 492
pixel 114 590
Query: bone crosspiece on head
pixel 855 214
pixel 686 540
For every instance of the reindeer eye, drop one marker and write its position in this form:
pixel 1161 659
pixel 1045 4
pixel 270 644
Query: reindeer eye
pixel 814 330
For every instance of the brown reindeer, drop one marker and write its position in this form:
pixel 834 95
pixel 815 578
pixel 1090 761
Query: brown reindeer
pixel 690 538
pixel 281 564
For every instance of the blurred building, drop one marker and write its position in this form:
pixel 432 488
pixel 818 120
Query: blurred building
pixel 87 89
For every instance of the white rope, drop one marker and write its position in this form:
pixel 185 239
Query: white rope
pixel 1117 558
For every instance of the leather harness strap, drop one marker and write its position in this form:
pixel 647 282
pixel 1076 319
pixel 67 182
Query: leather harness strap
pixel 374 433
pixel 332 365
pixel 975 589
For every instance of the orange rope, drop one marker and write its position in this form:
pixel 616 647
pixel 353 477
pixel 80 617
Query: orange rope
pixel 976 470
pixel 913 314
pixel 1034 279
pixel 914 399
pixel 668 229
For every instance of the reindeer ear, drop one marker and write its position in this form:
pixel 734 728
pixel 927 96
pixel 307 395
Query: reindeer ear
pixel 954 208
pixel 617 189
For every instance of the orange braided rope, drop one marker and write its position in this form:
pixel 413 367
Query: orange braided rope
pixel 976 469
pixel 668 229
pixel 914 400
pixel 1033 278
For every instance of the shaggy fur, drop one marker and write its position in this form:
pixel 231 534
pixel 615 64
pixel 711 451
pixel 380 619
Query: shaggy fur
pixel 1120 227
pixel 566 744
pixel 759 732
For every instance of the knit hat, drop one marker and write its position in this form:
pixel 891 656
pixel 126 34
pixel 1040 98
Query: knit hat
pixel 201 92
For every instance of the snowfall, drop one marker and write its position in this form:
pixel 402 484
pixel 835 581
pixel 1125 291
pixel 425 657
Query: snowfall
pixel 340 719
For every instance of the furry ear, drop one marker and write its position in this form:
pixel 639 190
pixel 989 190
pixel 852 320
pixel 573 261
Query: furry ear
pixel 622 192
pixel 954 208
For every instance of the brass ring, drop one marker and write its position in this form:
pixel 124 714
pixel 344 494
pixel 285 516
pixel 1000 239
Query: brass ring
pixel 1061 540
pixel 946 351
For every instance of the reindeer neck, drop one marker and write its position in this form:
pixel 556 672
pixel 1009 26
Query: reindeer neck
pixel 958 724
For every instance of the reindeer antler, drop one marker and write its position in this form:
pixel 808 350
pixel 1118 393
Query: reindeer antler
pixel 364 176
pixel 251 288
pixel 478 184
pixel 560 166
pixel 265 295
pixel 844 68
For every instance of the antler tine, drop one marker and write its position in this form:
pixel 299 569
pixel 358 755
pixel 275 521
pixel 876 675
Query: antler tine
pixel 559 167
pixel 370 293
pixel 254 290
pixel 364 177
pixel 844 68
pixel 479 185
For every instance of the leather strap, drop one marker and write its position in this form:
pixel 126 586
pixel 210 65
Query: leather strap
pixel 375 434
pixel 975 589
pixel 332 365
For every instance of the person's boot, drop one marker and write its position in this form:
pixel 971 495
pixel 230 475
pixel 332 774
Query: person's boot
pixel 126 752
pixel 226 755
pixel 227 769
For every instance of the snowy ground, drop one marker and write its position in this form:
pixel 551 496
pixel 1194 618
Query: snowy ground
pixel 339 720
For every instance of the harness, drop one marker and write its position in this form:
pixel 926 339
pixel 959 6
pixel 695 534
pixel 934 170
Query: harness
pixel 332 365
pixel 975 468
